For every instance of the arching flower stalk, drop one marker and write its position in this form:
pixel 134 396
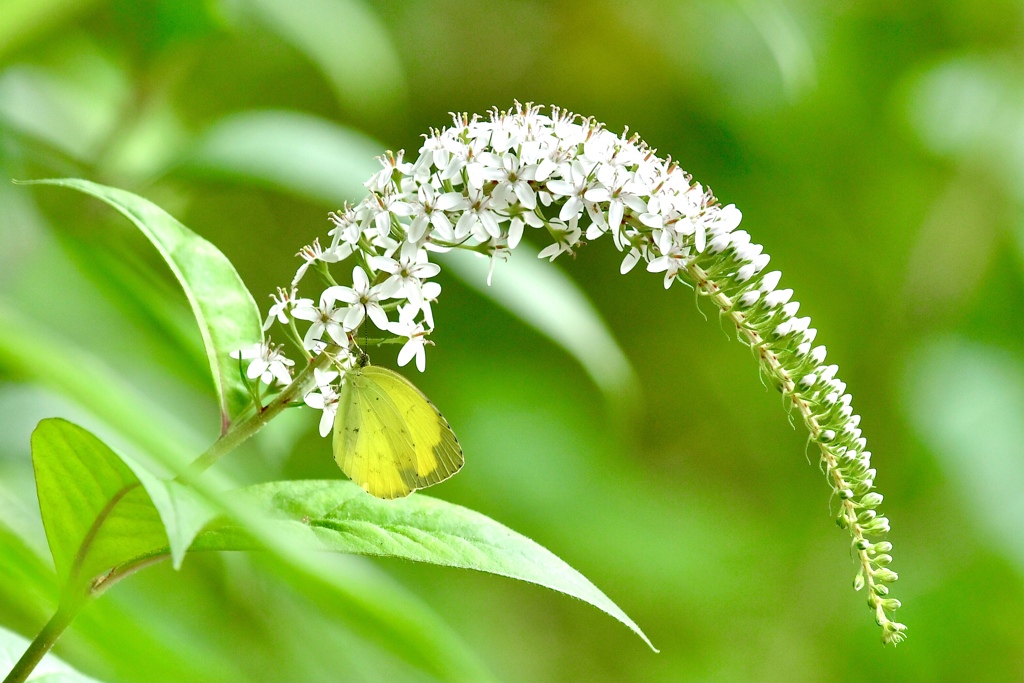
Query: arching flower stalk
pixel 479 185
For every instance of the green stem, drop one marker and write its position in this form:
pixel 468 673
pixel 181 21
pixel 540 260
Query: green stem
pixel 241 431
pixel 41 645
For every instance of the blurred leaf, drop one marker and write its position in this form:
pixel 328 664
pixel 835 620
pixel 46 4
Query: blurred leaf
pixel 339 516
pixel 227 315
pixel 953 248
pixel 74 373
pixel 956 105
pixel 288 151
pixel 22 21
pixel 786 40
pixel 326 163
pixel 543 296
pixel 966 401
pixel 349 44
pixel 27 584
pixel 972 107
pixel 73 102
pixel 100 510
pixel 155 304
pixel 50 668
pixel 146 143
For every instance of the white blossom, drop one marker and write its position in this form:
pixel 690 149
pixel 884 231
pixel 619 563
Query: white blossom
pixel 363 299
pixel 414 347
pixel 324 398
pixel 266 362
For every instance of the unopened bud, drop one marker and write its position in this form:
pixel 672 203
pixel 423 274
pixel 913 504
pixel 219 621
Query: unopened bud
pixel 886 575
pixel 871 500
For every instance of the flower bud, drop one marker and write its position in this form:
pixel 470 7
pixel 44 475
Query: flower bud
pixel 777 297
pixel 770 281
pixel 749 298
pixel 890 604
pixel 886 575
pixel 865 485
pixel 818 354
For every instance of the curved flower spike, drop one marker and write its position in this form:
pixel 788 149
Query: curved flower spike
pixel 479 183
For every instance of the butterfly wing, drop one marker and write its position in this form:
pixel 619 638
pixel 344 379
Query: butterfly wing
pixel 372 442
pixel 437 453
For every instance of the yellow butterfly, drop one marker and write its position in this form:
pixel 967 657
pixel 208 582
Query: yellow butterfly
pixel 388 437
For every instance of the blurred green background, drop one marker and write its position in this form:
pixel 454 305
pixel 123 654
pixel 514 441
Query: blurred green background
pixel 876 149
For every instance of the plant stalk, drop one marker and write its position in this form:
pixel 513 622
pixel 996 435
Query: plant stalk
pixel 42 644
pixel 241 431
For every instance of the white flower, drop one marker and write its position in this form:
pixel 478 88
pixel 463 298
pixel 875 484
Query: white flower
pixel 407 275
pixel 312 254
pixel 514 181
pixel 324 318
pixel 284 301
pixel 481 219
pixel 390 163
pixel 574 186
pixel 631 259
pixel 325 398
pixel 346 231
pixel 430 292
pixel 387 206
pixel 364 301
pixel 671 261
pixel 620 190
pixel 430 211
pixel 414 347
pixel 266 362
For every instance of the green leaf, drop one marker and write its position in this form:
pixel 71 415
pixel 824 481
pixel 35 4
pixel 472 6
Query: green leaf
pixel 21 22
pixel 349 45
pixel 26 581
pixel 338 516
pixel 544 297
pixel 100 510
pixel 227 315
pixel 50 667
pixel 965 400
pixel 73 103
pixel 288 151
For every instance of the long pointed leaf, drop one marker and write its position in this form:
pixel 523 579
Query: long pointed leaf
pixel 227 315
pixel 339 516
pixel 100 509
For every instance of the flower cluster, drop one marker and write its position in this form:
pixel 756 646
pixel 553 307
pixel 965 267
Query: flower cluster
pixel 481 184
